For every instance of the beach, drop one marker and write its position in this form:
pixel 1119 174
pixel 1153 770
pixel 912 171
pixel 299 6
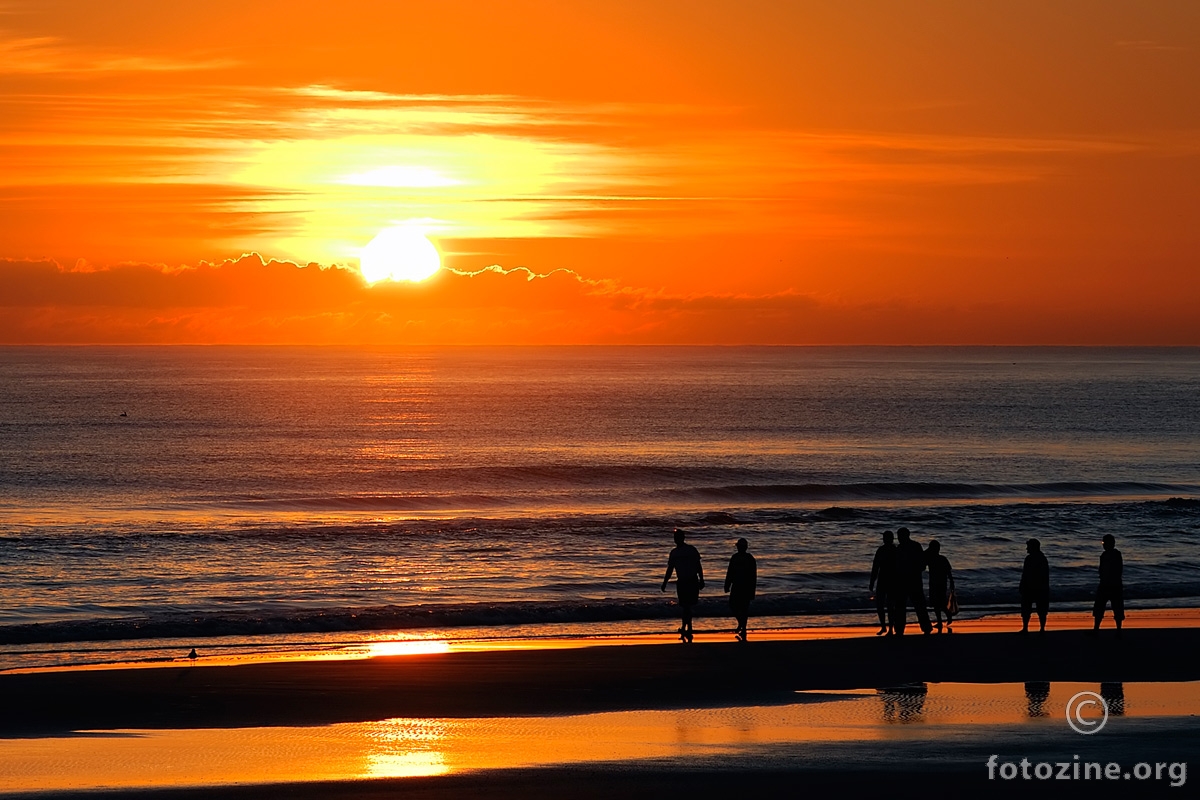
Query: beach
pixel 573 680
pixel 599 399
pixel 633 719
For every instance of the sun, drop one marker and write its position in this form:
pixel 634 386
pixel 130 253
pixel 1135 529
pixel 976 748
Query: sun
pixel 399 254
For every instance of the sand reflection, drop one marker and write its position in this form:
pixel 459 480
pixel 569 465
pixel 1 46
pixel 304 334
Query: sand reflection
pixel 405 748
pixel 904 703
pixel 408 747
pixel 1037 694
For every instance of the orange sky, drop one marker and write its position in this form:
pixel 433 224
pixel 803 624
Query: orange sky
pixel 602 172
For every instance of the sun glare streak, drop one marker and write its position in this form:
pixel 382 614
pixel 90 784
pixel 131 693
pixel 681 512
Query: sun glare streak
pixel 408 647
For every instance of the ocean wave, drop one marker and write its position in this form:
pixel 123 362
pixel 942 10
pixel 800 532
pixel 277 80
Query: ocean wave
pixel 822 492
pixel 655 488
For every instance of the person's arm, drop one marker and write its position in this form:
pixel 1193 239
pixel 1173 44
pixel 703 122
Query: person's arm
pixel 729 575
pixel 874 572
pixel 700 572
pixel 670 569
pixel 950 574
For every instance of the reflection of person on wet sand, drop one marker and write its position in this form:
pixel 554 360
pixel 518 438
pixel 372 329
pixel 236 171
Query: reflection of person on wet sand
pixel 904 703
pixel 1036 695
pixel 1035 586
pixel 1111 588
pixel 684 561
pixel 741 579
pixel 883 579
pixel 1113 694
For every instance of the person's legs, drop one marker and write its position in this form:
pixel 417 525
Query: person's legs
pixel 881 607
pixel 899 604
pixel 740 607
pixel 918 600
pixel 1118 605
pixel 689 594
pixel 938 602
pixel 1026 612
pixel 1043 607
pixel 1098 608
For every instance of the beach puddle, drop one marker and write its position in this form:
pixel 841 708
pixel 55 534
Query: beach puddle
pixel 425 747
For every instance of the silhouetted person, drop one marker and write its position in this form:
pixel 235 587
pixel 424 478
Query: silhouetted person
pixel 1111 588
pixel 1035 586
pixel 939 575
pixel 684 561
pixel 741 579
pixel 910 559
pixel 883 580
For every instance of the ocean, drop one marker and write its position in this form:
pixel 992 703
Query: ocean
pixel 248 500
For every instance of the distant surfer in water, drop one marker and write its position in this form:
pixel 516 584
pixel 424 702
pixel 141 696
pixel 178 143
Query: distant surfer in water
pixel 741 579
pixel 684 561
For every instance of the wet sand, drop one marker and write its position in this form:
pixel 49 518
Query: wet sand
pixel 933 735
pixel 495 683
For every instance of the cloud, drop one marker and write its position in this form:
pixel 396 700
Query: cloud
pixel 1147 45
pixel 251 300
pixel 53 55
pixel 317 170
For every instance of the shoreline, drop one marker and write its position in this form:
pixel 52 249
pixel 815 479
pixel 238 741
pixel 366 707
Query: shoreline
pixel 409 642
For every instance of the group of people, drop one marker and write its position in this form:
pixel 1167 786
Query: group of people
pixel 1035 585
pixel 897 582
pixel 741 581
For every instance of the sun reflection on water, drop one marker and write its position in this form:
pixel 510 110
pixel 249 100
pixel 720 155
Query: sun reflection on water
pixel 407 647
pixel 406 748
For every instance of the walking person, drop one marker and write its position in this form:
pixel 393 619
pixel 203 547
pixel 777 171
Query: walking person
pixel 939 575
pixel 684 561
pixel 741 580
pixel 883 579
pixel 910 558
pixel 1111 588
pixel 1035 586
